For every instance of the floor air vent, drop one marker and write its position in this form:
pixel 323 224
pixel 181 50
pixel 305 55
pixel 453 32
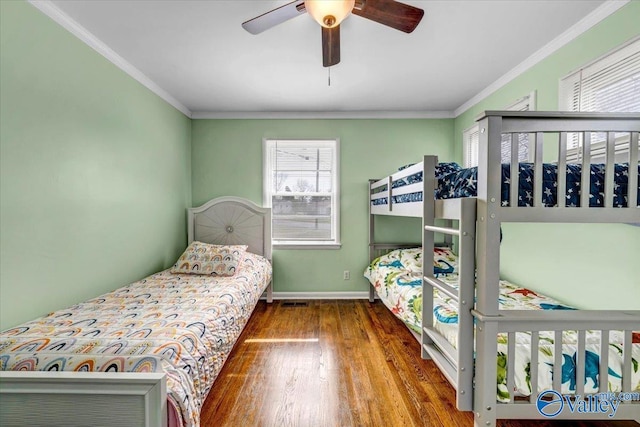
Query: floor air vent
pixel 295 304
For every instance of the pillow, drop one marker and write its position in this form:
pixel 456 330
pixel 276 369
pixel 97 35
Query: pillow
pixel 444 260
pixel 443 169
pixel 213 260
pixel 406 166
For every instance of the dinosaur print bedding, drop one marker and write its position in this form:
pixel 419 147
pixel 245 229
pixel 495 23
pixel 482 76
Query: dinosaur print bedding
pixel 397 278
pixel 182 324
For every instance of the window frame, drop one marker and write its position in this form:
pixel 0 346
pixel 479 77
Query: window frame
pixel 470 144
pixel 267 193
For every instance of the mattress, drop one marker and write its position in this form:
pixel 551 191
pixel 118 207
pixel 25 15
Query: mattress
pixel 455 182
pixel 397 278
pixel 182 324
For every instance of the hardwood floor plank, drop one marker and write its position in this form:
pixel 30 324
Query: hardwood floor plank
pixel 331 347
pixel 337 363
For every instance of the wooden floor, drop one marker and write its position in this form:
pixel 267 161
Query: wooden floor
pixel 336 363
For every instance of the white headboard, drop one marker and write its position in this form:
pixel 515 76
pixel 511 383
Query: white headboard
pixel 232 221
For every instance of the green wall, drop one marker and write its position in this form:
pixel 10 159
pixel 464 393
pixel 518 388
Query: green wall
pixel 227 160
pixel 95 171
pixel 572 262
pixel 550 257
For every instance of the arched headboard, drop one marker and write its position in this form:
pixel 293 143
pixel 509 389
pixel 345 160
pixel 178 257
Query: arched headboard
pixel 232 221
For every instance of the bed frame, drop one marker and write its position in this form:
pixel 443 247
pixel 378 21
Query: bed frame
pixel 472 372
pixel 128 399
pixel 233 221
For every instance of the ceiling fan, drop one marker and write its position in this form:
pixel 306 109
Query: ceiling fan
pixel 330 13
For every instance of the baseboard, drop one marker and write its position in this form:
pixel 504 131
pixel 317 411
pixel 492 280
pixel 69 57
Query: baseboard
pixel 320 295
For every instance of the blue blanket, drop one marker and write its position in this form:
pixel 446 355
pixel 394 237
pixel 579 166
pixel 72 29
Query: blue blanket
pixel 463 183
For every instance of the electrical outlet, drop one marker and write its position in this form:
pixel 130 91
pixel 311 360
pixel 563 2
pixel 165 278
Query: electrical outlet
pixel 346 275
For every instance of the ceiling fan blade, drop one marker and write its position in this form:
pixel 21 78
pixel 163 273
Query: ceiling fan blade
pixel 274 17
pixel 391 13
pixel 330 46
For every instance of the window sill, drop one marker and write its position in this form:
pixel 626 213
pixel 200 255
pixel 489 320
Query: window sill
pixel 306 245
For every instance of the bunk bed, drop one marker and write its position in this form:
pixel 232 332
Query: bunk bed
pixel 148 353
pixel 595 351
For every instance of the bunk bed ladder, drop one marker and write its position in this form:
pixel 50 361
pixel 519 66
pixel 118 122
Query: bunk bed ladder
pixel 455 364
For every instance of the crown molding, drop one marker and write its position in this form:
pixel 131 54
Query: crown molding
pixel 52 11
pixel 322 115
pixel 603 11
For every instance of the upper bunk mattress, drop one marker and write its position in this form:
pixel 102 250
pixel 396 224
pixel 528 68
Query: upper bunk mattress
pixel 182 324
pixel 455 182
pixel 397 278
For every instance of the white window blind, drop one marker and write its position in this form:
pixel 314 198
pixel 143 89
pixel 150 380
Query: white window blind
pixel 301 187
pixel 609 84
pixel 471 136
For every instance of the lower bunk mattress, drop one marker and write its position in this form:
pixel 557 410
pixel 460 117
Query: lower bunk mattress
pixel 397 278
pixel 184 325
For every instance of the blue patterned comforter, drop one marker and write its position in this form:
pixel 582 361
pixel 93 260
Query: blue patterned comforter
pixel 455 182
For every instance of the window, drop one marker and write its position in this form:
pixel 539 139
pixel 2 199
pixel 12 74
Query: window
pixel 471 136
pixel 470 141
pixel 608 84
pixel 301 187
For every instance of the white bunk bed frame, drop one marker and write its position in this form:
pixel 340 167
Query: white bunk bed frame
pixel 97 399
pixel 472 372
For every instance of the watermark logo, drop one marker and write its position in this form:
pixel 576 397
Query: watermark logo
pixel 550 403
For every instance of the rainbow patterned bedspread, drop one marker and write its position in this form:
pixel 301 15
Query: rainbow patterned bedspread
pixel 397 278
pixel 182 324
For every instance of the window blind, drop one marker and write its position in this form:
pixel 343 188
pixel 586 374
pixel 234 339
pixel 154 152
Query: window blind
pixel 609 84
pixel 526 103
pixel 471 139
pixel 300 186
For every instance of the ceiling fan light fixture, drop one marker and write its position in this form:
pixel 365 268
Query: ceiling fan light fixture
pixel 329 13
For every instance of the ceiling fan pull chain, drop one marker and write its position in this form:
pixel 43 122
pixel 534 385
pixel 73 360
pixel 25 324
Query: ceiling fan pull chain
pixel 329 78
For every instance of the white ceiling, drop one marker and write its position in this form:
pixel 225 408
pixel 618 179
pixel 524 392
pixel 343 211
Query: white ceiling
pixel 197 56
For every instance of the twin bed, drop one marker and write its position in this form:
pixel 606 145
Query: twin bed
pixel 151 355
pixel 508 351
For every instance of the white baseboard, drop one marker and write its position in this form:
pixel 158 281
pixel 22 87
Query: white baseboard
pixel 321 295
